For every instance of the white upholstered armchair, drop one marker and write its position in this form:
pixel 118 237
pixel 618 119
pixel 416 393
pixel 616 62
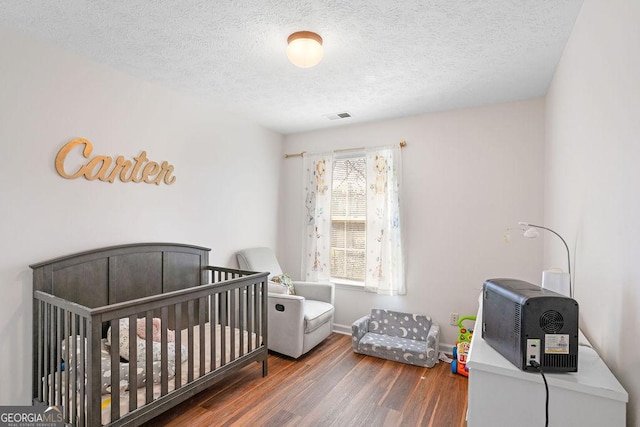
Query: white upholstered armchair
pixel 299 322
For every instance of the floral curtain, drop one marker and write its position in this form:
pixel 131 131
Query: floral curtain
pixel 317 176
pixel 385 260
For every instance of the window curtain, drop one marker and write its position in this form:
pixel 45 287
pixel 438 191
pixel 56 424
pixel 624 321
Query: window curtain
pixel 317 182
pixel 385 260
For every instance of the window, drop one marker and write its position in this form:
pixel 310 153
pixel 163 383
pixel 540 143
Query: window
pixel 348 219
pixel 352 231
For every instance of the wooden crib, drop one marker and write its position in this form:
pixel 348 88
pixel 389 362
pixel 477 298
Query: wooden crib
pixel 200 324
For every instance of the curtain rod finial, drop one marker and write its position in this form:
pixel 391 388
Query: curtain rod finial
pixel 286 156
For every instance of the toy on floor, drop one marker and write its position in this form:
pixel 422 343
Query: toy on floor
pixel 461 350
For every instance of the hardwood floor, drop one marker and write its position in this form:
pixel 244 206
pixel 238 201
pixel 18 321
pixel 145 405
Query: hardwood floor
pixel 330 386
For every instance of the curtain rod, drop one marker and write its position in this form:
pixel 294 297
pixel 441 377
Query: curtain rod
pixel 286 156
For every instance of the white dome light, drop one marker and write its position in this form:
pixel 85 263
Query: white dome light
pixel 304 49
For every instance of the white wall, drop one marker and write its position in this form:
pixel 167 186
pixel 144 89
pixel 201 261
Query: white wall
pixel 49 97
pixel 592 177
pixel 468 174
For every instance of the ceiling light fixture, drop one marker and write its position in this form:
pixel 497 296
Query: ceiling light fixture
pixel 304 49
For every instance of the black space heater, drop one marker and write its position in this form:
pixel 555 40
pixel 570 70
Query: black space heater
pixel 526 323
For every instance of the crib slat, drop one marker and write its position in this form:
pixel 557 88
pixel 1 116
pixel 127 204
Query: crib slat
pixel 94 395
pixel 201 312
pixel 74 363
pixel 241 312
pixel 223 328
pixel 255 312
pixel 263 326
pixel 233 312
pixel 251 318
pixel 52 354
pixel 58 351
pixel 68 337
pixel 213 320
pixel 178 355
pixel 164 363
pixel 81 372
pixel 190 366
pixel 115 370
pixel 44 385
pixel 49 355
pixel 41 347
pixel 149 355
pixel 57 360
pixel 133 364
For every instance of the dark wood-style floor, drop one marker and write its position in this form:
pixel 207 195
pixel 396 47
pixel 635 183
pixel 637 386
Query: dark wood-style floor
pixel 330 386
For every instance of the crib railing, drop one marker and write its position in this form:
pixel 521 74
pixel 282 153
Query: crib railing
pixel 68 340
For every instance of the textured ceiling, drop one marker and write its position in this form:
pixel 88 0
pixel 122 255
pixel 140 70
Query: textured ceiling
pixel 383 58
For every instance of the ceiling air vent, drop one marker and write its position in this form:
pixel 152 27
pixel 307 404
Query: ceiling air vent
pixel 336 116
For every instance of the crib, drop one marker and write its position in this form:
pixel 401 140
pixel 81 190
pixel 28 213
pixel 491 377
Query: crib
pixel 121 334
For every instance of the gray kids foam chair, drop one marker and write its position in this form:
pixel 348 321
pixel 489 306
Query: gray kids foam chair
pixel 403 337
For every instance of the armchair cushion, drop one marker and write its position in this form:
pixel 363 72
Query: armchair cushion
pixel 316 314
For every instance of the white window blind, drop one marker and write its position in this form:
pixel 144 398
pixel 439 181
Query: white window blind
pixel 348 219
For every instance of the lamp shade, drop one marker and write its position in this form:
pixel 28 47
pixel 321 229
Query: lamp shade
pixel 305 49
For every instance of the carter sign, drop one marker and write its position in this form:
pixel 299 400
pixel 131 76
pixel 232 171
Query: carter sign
pixel 105 169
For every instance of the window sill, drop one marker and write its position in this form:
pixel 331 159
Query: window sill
pixel 349 285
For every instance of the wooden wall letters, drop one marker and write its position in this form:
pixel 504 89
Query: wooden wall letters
pixel 100 167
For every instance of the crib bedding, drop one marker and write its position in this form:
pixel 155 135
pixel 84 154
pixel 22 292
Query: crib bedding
pixel 69 348
pixel 73 366
pixel 122 347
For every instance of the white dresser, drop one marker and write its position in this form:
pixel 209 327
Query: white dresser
pixel 502 395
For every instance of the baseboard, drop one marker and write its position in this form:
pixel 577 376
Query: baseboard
pixel 342 329
pixel 446 348
pixel 346 330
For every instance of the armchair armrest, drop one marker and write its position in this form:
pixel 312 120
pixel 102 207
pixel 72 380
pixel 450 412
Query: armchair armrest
pixel 286 323
pixel 319 291
pixel 291 308
pixel 358 329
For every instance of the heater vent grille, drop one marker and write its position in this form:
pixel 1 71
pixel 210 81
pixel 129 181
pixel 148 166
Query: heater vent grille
pixel 551 322
pixel 516 319
pixel 560 361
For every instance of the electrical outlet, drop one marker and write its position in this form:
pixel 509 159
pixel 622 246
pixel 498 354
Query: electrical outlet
pixel 454 319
